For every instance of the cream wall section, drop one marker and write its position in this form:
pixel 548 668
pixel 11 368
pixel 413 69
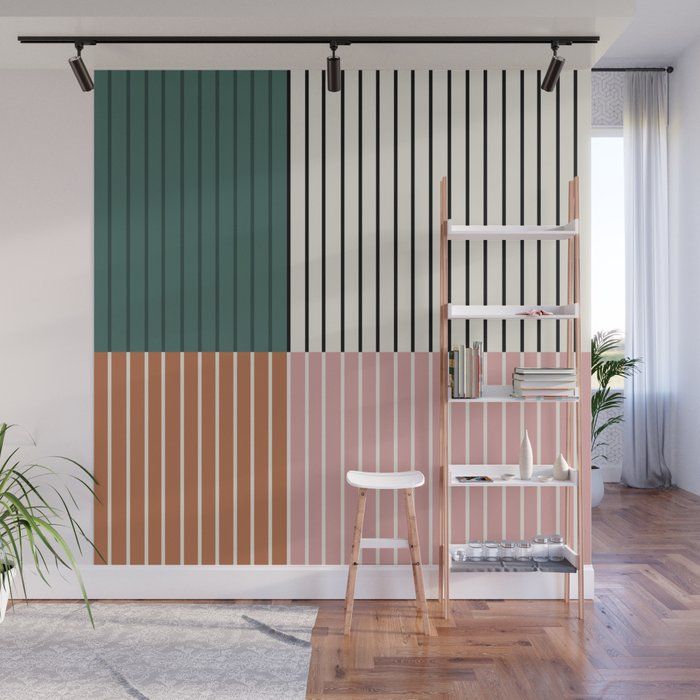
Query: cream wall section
pixel 46 186
pixel 684 179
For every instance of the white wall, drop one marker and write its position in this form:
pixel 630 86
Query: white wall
pixel 684 186
pixel 46 181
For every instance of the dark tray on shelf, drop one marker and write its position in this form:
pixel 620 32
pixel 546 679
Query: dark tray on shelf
pixel 557 567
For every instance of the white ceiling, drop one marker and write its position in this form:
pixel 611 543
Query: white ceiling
pixel 481 17
pixel 657 34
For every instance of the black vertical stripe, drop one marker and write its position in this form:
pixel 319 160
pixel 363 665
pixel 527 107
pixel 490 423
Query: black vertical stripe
pixel 539 204
pixel 430 211
pixel 306 211
pixel 467 183
pixel 289 207
pixel 413 211
pixel 557 263
pixel 396 211
pixel 359 211
pixel 342 211
pixel 449 197
pixel 485 201
pixel 503 202
pixel 377 204
pixel 522 203
pixel 323 211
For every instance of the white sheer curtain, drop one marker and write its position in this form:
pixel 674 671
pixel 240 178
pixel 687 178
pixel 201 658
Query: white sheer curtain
pixel 647 407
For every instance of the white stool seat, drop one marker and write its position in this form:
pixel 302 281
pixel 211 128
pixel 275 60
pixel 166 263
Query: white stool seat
pixel 385 480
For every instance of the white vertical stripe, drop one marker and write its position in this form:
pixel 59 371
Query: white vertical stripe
pixel 217 464
pixel 253 456
pixel 306 458
pixel 270 484
pixel 108 553
pixel 422 241
pixel 368 210
pixel 404 210
pixel 146 464
pixel 323 458
pixel 127 458
pixel 199 457
pixel 342 458
pixel 315 260
pixel 235 457
pixel 162 457
pixel 182 456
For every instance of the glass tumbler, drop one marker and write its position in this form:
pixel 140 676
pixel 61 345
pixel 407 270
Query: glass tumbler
pixel 540 548
pixel 524 551
pixel 556 548
pixel 459 554
pixel 507 550
pixel 491 551
pixel 475 551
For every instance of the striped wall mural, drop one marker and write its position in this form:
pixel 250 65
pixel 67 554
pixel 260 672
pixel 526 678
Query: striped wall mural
pixel 266 317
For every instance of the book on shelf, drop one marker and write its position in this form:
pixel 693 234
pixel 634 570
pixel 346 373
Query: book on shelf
pixel 544 382
pixel 465 366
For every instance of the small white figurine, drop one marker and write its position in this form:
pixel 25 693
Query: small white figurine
pixel 526 458
pixel 561 469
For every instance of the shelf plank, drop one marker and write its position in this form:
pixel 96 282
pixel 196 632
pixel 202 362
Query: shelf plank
pixel 494 393
pixel 495 471
pixel 461 232
pixel 497 312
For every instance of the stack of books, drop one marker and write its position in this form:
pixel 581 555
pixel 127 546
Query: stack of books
pixel 466 370
pixel 544 382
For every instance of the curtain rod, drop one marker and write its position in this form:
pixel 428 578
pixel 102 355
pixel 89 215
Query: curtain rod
pixel 90 40
pixel 667 69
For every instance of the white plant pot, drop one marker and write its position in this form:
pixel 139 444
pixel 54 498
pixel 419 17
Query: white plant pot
pixel 597 486
pixel 5 583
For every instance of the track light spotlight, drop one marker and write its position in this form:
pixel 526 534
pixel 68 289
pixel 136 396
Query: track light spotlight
pixel 81 73
pixel 551 77
pixel 333 70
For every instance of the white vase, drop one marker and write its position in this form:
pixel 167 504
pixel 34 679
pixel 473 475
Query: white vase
pixel 597 486
pixel 5 583
pixel 561 469
pixel 526 458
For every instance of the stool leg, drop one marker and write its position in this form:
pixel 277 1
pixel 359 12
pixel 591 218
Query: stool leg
pixel 354 561
pixel 414 548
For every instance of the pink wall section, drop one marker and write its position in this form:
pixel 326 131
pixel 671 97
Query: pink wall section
pixel 379 411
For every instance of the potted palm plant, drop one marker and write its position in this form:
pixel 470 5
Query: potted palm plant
pixel 608 363
pixel 36 520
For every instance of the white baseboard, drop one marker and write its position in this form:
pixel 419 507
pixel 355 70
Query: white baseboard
pixel 295 582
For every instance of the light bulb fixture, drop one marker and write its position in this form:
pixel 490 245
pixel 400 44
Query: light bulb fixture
pixel 333 70
pixel 81 73
pixel 551 77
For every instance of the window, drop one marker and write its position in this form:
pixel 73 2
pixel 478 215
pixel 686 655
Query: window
pixel 607 231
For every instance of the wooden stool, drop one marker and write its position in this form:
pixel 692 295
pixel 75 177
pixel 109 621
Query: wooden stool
pixel 406 482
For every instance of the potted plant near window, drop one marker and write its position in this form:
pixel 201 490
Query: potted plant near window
pixel 36 520
pixel 607 364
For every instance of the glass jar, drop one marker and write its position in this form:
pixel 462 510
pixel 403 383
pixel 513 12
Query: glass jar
pixel 524 551
pixel 491 551
pixel 475 551
pixel 540 548
pixel 507 550
pixel 556 548
pixel 459 555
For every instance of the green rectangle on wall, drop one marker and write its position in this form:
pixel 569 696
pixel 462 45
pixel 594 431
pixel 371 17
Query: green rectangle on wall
pixel 191 210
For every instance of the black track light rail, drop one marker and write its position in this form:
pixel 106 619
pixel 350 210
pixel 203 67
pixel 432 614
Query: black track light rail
pixel 340 40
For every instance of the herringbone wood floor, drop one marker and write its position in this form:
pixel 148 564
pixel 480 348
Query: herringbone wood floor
pixel 641 636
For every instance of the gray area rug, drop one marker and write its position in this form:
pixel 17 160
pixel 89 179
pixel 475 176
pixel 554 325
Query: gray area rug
pixel 154 651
